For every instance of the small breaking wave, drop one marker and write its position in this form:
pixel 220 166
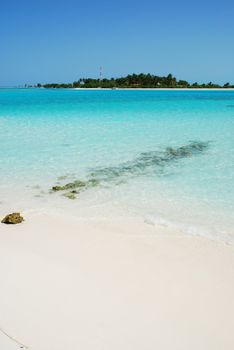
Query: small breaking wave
pixel 194 230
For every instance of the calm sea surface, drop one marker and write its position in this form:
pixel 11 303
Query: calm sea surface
pixel 129 144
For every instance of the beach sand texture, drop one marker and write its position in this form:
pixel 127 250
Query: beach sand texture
pixel 118 283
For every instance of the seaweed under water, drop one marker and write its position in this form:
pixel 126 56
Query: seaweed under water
pixel 154 160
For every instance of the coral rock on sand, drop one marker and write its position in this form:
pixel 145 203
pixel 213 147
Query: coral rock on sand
pixel 69 186
pixel 14 218
pixel 70 195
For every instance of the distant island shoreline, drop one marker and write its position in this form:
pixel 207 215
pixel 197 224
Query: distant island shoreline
pixel 120 89
pixel 134 81
pixel 154 89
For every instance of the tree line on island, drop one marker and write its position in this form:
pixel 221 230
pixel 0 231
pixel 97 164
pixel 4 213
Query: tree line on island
pixel 134 81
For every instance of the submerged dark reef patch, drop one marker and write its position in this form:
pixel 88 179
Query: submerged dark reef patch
pixel 154 160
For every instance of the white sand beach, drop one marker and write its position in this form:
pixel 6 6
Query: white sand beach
pixel 72 283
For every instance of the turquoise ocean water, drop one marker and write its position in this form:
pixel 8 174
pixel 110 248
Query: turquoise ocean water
pixel 130 143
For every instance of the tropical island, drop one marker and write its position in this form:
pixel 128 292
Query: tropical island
pixel 135 81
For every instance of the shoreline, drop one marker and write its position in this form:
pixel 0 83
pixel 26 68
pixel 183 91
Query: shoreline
pixel 102 210
pixel 155 89
pixel 113 283
pixel 113 270
pixel 121 89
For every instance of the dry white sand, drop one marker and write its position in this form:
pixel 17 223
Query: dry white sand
pixel 69 284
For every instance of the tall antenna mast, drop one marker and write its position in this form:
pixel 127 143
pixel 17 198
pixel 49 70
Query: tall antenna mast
pixel 100 74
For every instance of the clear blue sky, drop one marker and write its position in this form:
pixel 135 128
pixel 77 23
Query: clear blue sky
pixel 61 41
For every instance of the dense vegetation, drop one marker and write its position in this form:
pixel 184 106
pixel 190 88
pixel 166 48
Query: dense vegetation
pixel 135 81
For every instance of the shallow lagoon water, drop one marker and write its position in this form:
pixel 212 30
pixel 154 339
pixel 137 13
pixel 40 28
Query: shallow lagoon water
pixel 57 136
